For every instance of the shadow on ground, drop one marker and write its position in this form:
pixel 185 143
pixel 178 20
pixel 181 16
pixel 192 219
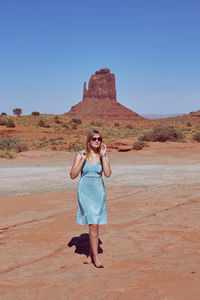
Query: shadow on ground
pixel 82 244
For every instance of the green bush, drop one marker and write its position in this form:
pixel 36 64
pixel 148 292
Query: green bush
pixel 188 124
pixel 196 136
pixel 7 154
pixel 10 145
pixel 10 123
pixel 162 134
pixel 17 111
pixel 3 114
pixel 138 145
pixel 35 113
pixel 116 124
pixel 147 136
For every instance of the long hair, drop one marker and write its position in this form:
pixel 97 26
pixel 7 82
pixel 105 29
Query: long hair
pixel 89 137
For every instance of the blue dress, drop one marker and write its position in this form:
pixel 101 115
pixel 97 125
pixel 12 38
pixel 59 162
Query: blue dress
pixel 91 195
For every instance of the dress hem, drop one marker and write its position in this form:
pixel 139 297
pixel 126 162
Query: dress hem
pixel 91 223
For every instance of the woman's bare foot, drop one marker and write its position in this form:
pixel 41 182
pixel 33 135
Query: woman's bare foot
pixel 96 261
pixel 88 260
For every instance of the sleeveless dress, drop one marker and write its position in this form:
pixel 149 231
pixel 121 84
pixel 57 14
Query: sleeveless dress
pixel 91 195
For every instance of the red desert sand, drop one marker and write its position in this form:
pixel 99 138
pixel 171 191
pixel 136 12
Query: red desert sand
pixel 150 246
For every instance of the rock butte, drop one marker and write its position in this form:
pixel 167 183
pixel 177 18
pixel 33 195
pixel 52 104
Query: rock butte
pixel 99 100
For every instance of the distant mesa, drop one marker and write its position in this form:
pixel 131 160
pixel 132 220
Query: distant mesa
pixel 99 100
pixel 159 116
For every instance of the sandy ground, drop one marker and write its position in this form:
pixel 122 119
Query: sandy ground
pixel 150 246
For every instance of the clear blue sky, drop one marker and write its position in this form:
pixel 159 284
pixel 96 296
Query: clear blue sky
pixel 48 48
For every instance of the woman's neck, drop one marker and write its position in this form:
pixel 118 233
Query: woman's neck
pixel 95 150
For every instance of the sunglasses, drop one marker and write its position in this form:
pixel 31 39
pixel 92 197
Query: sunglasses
pixel 94 139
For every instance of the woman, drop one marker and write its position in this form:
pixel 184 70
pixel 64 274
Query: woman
pixel 91 192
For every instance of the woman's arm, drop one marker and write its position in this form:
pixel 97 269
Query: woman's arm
pixel 78 164
pixel 105 161
pixel 106 165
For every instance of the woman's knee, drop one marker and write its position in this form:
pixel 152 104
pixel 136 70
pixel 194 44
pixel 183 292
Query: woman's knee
pixel 94 227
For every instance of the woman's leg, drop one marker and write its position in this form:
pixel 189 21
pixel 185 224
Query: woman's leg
pixel 94 237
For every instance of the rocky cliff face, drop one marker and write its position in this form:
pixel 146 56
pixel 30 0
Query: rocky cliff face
pixel 101 86
pixel 99 100
pixel 195 113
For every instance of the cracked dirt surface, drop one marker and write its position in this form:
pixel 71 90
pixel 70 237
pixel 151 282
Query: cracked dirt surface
pixel 150 246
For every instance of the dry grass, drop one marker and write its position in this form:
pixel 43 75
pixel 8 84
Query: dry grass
pixel 59 132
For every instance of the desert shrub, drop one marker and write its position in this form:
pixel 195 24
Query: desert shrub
pixel 73 147
pixel 186 129
pixel 43 144
pixel 53 148
pixel 129 126
pixel 162 134
pixel 10 123
pixel 51 140
pixel 3 114
pixel 116 124
pixel 196 136
pixel 56 119
pixel 74 126
pixel 54 143
pixel 35 113
pixel 13 144
pixel 7 154
pixel 167 133
pixel 21 146
pixel 65 126
pixel 76 121
pixel 3 121
pixel 147 136
pixel 94 123
pixel 188 124
pixel 17 111
pixel 138 145
pixel 41 123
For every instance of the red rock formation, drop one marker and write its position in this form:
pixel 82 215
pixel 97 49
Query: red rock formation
pixel 99 100
pixel 195 113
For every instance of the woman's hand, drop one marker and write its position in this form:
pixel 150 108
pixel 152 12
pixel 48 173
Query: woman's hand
pixel 103 150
